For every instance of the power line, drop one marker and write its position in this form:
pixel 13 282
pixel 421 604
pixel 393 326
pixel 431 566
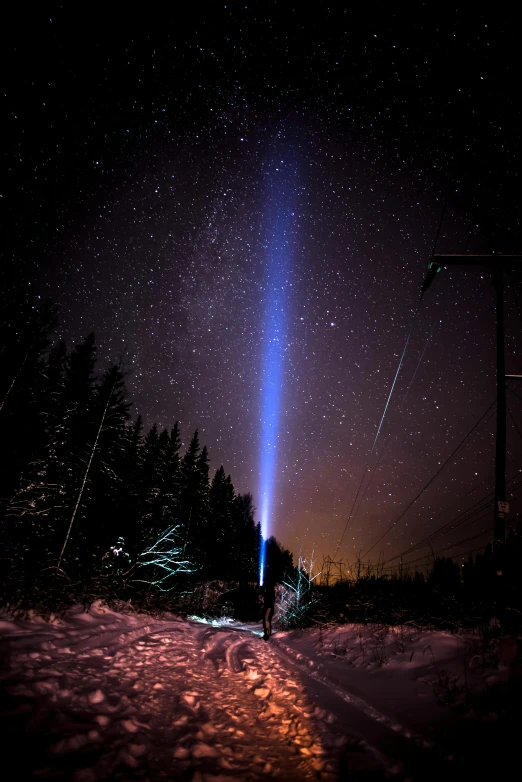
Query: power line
pixel 427 559
pixel 464 519
pixel 466 516
pixel 471 491
pixel 460 518
pixel 351 517
pixel 353 513
pixel 448 526
pixel 457 520
pixel 514 422
pixel 419 362
pixel 378 432
pixel 514 393
pixel 451 546
pixel 424 287
pixel 448 460
pixel 393 524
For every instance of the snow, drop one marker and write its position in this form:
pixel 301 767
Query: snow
pixel 107 695
pixel 119 696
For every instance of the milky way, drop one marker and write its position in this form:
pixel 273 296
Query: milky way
pixel 143 195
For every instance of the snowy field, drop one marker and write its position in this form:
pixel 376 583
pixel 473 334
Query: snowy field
pixel 104 695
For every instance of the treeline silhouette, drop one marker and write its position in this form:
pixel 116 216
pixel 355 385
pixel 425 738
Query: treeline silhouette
pixel 87 493
pixel 448 596
pixel 92 506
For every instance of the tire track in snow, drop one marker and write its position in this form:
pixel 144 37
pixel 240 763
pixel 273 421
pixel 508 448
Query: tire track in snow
pixel 171 699
pixel 233 657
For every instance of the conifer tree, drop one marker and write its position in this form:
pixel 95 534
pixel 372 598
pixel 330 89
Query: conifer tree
pixel 25 336
pixel 75 436
pixel 149 486
pixel 130 492
pixel 193 501
pixel 83 477
pixel 99 482
pixel 245 546
pixel 221 534
pixel 188 486
pixel 105 477
pixel 44 503
pixel 201 499
pixel 166 502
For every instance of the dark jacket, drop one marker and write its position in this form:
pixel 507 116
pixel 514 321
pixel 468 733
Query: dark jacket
pixel 269 596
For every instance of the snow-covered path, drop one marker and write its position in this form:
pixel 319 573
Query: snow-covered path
pixel 104 695
pixel 110 696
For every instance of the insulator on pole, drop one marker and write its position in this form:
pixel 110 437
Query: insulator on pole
pixel 433 269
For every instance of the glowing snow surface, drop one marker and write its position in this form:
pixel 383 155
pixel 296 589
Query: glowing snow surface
pixel 104 695
pixel 114 696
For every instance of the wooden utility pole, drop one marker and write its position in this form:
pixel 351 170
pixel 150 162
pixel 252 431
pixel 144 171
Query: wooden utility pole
pixel 501 506
pixel 496 264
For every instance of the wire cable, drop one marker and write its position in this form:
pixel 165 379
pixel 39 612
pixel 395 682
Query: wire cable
pixel 350 517
pixel 427 559
pixel 514 422
pixel 383 450
pixel 378 431
pixel 463 519
pixel 448 460
pixel 393 524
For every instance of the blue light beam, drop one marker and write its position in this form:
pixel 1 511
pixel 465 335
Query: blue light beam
pixel 278 262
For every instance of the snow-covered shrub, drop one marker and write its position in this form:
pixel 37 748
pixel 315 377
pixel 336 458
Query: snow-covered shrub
pixel 160 564
pixel 299 601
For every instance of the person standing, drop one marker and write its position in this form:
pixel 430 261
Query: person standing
pixel 269 597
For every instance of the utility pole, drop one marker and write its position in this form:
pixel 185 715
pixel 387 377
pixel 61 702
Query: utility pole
pixel 496 264
pixel 501 507
pixel 331 572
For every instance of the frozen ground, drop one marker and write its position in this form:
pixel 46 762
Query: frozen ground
pixel 104 695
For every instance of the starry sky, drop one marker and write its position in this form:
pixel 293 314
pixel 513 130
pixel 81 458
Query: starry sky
pixel 154 168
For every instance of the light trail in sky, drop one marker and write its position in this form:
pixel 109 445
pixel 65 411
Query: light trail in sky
pixel 278 262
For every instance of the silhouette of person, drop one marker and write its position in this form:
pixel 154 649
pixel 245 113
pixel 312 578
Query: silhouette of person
pixel 269 597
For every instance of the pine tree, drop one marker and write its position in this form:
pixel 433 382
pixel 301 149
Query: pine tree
pixel 105 477
pixel 166 502
pixel 245 545
pixel 100 480
pixel 172 477
pixel 130 494
pixel 83 477
pixel 42 507
pixel 188 487
pixel 220 531
pixel 149 486
pixel 201 500
pixel 75 437
pixel 25 335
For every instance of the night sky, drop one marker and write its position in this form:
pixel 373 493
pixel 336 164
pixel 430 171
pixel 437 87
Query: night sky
pixel 182 185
